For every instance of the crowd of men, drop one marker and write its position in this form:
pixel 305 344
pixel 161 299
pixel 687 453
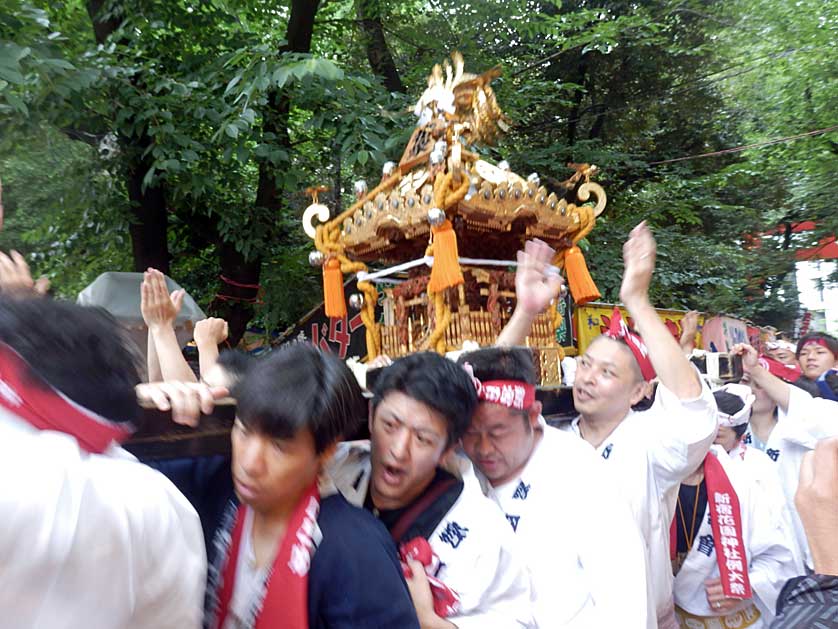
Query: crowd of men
pixel 668 501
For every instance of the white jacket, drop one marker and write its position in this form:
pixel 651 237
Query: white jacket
pixel 474 543
pixel 647 456
pixel 768 549
pixel 93 541
pixel 759 467
pixel 798 429
pixel 578 536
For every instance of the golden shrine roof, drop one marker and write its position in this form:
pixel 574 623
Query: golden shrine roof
pixel 493 210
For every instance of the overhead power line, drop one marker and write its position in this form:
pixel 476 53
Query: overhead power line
pixel 681 88
pixel 745 147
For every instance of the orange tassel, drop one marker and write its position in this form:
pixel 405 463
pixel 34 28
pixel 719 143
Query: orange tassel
pixel 335 301
pixel 446 270
pixel 582 286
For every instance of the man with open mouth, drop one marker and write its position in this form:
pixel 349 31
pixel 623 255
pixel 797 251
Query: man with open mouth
pixel 407 475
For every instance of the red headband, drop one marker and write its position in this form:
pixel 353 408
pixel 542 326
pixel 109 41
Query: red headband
pixel 820 342
pixel 514 394
pixel 619 330
pixel 789 373
pixel 28 397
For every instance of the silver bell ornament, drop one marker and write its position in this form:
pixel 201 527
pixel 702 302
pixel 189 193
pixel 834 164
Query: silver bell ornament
pixel 441 146
pixel 534 178
pixel 360 188
pixel 436 217
pixel 316 258
pixel 388 169
pixel 504 165
pixel 436 157
pixel 356 301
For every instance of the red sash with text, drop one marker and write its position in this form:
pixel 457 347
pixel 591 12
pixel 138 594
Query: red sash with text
pixel 286 599
pixel 726 522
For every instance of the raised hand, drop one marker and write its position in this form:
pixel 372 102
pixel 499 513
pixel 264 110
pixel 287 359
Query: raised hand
pixel 689 330
pixel 210 331
pixel 16 278
pixel 750 357
pixel 537 282
pixel 639 253
pixel 158 307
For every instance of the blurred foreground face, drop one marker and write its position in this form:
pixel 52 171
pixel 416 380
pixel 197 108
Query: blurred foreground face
pixel 606 383
pixel 727 438
pixel 763 404
pixel 408 439
pixel 271 474
pixel 816 360
pixel 499 441
pixel 785 356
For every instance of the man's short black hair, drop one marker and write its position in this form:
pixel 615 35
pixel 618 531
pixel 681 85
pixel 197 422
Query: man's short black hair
pixel 81 351
pixel 502 363
pixel 434 381
pixel 235 363
pixel 297 387
pixel 830 341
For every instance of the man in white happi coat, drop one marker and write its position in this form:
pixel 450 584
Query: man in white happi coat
pixel 647 454
pixel 785 423
pixel 733 426
pixel 731 542
pixel 89 537
pixel 577 534
pixel 408 476
pixel 570 522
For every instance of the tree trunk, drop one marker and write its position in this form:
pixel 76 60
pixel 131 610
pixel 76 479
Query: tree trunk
pixel 239 290
pixel 240 275
pixel 576 111
pixel 378 52
pixel 149 241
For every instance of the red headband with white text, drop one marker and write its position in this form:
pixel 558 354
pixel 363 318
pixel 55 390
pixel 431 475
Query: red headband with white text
pixel 514 394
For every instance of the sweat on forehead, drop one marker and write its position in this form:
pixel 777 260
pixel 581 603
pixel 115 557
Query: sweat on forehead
pixel 621 346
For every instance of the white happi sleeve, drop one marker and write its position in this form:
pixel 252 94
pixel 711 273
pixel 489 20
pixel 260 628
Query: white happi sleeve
pixel 812 418
pixel 681 435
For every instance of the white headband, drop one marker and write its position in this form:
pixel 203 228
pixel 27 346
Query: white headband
pixel 772 345
pixel 744 393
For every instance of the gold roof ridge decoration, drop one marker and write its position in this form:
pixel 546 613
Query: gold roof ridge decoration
pixel 441 189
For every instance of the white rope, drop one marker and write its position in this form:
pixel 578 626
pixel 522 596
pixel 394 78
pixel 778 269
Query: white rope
pixel 481 262
pixel 363 276
pixel 367 277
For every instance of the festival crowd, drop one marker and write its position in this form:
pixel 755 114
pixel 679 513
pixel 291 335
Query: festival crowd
pixel 668 501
